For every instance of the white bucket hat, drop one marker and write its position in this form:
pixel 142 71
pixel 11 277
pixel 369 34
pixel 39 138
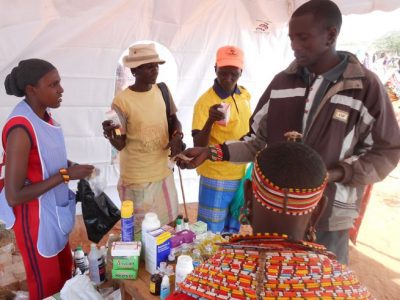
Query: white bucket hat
pixel 141 54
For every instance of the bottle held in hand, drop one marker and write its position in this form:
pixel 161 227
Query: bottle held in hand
pixel 113 116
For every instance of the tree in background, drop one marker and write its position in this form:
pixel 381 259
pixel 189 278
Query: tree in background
pixel 388 43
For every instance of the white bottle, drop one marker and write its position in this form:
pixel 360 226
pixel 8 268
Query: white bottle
pixel 150 222
pixel 165 288
pixel 96 265
pixel 80 260
pixel 183 267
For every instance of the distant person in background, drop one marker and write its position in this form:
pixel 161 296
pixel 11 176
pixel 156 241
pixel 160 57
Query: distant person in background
pixel 393 84
pixel 366 60
pixel 35 200
pixel 393 89
pixel 145 141
pixel 380 67
pixel 211 125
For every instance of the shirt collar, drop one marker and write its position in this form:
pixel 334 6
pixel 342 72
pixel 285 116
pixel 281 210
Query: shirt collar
pixel 337 71
pixel 331 75
pixel 221 92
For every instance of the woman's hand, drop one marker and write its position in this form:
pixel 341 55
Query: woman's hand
pixel 196 156
pixel 80 171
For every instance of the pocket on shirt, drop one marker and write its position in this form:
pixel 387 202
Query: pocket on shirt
pixel 66 215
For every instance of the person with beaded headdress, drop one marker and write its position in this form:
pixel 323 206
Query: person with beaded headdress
pixel 285 199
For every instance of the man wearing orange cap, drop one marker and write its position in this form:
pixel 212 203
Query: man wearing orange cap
pixel 222 113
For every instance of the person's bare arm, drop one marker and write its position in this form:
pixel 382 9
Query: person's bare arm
pixel 17 158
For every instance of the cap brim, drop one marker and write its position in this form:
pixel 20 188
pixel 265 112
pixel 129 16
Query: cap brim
pixel 230 62
pixel 135 64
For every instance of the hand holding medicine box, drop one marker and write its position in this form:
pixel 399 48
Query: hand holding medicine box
pixel 115 118
pixel 226 109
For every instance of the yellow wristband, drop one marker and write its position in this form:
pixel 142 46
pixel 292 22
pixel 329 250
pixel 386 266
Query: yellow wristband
pixel 64 174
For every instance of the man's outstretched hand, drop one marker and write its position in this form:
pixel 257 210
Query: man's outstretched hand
pixel 192 157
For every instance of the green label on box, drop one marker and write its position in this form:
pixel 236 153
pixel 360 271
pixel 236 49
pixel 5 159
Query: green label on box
pixel 124 274
pixel 126 262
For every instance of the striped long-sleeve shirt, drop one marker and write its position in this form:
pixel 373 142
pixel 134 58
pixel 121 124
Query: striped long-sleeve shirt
pixel 353 126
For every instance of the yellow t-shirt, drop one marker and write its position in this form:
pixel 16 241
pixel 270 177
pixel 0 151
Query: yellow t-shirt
pixel 237 126
pixel 143 158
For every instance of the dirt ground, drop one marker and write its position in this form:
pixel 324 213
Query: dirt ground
pixel 376 257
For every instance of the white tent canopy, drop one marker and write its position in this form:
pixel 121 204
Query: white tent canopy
pixel 85 39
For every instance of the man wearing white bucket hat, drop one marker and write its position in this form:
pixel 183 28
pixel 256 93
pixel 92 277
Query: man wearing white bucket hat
pixel 145 138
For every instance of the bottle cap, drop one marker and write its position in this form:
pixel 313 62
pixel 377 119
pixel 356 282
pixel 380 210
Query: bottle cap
pixel 78 248
pixel 186 220
pixel 165 280
pixel 171 257
pixel 185 261
pixel 127 209
pixel 151 217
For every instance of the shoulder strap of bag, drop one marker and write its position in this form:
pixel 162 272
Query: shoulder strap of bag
pixel 165 94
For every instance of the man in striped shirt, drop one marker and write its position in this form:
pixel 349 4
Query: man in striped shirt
pixel 340 107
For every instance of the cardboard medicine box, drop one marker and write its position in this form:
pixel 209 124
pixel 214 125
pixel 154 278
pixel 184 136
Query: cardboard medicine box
pixel 125 262
pixel 158 247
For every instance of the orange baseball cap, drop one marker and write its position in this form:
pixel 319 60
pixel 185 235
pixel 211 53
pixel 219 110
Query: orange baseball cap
pixel 230 56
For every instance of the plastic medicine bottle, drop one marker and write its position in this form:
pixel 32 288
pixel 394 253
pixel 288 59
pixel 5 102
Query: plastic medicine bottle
pixel 96 265
pixel 165 287
pixel 80 260
pixel 150 222
pixel 127 221
pixel 183 267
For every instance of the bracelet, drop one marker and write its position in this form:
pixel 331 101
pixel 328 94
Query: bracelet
pixel 178 132
pixel 216 152
pixel 64 174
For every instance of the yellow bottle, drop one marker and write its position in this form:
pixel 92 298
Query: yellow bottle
pixel 127 221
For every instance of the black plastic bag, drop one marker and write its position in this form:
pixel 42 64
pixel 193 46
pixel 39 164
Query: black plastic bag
pixel 99 212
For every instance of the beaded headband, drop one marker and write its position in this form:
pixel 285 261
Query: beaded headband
pixel 291 201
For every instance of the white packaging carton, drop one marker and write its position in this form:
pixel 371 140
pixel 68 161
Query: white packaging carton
pixel 158 247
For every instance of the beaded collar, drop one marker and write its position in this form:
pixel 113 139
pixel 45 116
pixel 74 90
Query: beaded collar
pixel 271 267
pixel 291 201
